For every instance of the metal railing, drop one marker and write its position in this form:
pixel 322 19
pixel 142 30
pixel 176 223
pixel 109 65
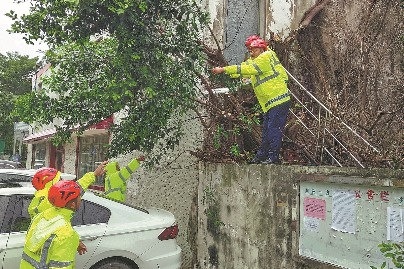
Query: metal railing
pixel 321 131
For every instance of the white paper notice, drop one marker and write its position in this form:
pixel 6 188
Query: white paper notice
pixel 395 229
pixel 311 224
pixel 343 211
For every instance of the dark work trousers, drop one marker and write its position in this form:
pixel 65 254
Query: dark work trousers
pixel 272 129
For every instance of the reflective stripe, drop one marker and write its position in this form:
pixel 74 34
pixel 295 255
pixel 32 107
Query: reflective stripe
pixel 36 210
pixel 129 170
pixel 45 250
pixel 273 100
pixel 30 260
pixel 81 190
pixel 44 256
pixel 276 62
pixel 58 264
pixel 257 68
pixel 238 69
pixel 110 190
pixel 122 177
pixel 109 183
pixel 113 190
pixel 261 81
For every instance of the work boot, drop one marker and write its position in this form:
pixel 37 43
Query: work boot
pixel 254 160
pixel 271 161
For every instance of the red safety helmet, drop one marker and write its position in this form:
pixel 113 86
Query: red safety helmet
pixel 62 192
pixel 259 43
pixel 43 176
pixel 250 39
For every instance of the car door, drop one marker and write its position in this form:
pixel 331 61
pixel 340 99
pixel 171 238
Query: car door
pixel 90 222
pixel 20 222
pixel 6 212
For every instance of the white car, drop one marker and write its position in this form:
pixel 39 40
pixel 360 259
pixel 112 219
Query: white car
pixel 117 236
pixel 6 164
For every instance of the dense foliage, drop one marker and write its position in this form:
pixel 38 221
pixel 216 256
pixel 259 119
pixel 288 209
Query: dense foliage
pixel 137 57
pixel 15 79
pixel 144 59
pixel 15 72
pixel 6 123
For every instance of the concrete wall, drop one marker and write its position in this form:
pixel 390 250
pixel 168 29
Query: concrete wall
pixel 248 215
pixel 172 185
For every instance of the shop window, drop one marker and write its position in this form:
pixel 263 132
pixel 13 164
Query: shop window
pixel 92 153
pixel 59 156
pixel 39 155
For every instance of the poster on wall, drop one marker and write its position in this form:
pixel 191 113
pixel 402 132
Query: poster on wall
pixel 343 211
pixel 395 228
pixel 314 208
pixel 311 224
pixel 343 224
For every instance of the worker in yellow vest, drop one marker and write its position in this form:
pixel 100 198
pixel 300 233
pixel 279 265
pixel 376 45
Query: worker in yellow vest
pixel 45 177
pixel 269 81
pixel 51 242
pixel 116 178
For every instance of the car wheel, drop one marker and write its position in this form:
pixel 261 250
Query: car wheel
pixel 113 264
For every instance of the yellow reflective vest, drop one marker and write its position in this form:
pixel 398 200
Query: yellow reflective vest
pixel 51 241
pixel 268 78
pixel 115 181
pixel 40 201
pixel 248 61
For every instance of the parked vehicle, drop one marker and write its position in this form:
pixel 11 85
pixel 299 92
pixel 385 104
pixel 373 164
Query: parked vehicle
pixel 117 236
pixel 7 164
pixel 22 177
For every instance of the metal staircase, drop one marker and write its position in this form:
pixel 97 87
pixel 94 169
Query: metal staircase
pixel 329 133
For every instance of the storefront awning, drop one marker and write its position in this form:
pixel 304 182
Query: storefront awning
pixel 45 134
pixel 40 135
pixel 104 124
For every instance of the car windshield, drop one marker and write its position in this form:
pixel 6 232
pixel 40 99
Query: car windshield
pixel 4 178
pixel 9 185
pixel 8 164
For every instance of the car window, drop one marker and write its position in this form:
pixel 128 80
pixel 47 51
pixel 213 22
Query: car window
pixel 8 165
pixel 9 185
pixel 127 204
pixel 14 178
pixel 90 213
pixel 5 214
pixel 21 218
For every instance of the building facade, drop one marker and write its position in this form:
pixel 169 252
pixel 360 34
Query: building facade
pixel 82 155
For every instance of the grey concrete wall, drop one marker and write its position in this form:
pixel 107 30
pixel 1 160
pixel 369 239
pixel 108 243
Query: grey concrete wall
pixel 248 215
pixel 172 185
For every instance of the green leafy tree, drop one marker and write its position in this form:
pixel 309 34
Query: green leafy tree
pixel 138 57
pixel 15 79
pixel 16 72
pixel 6 122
